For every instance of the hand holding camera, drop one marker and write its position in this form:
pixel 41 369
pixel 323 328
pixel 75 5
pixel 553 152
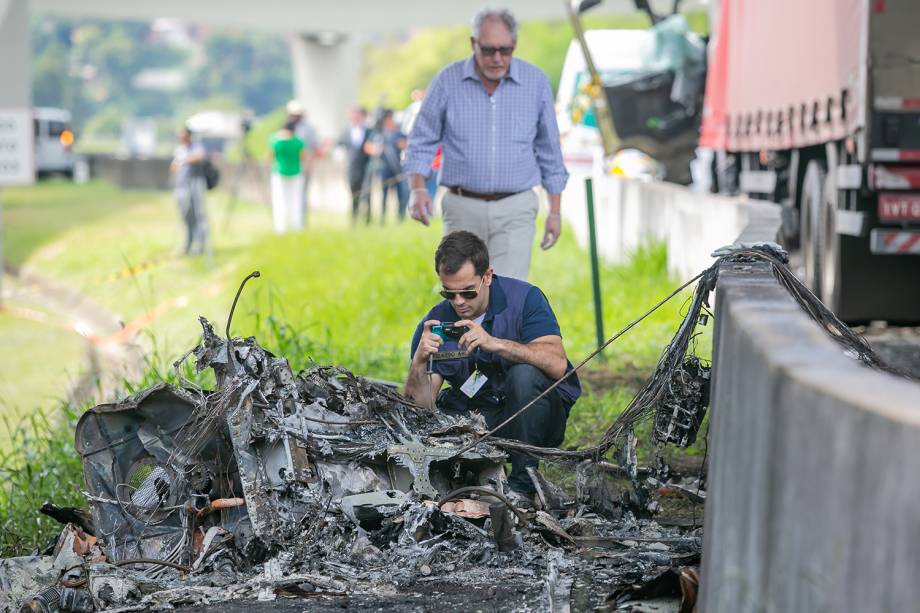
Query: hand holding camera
pixel 450 331
pixel 475 337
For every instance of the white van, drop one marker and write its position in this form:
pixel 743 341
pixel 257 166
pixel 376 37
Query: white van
pixel 54 139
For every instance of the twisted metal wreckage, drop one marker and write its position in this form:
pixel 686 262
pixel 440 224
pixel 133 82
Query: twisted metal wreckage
pixel 327 484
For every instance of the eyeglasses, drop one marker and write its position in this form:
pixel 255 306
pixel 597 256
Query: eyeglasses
pixel 466 294
pixel 490 51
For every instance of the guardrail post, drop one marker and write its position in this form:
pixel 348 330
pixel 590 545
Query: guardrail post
pixel 595 268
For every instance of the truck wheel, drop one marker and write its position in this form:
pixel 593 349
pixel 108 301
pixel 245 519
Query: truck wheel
pixel 810 223
pixel 859 286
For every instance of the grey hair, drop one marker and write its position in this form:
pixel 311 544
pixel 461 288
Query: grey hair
pixel 503 15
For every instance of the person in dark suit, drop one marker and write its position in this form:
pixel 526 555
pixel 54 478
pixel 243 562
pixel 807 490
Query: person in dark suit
pixel 354 140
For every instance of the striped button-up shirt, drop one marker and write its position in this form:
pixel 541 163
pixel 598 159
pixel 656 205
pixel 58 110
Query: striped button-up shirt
pixel 506 142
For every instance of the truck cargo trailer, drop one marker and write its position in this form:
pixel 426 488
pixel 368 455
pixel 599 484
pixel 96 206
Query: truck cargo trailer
pixel 816 105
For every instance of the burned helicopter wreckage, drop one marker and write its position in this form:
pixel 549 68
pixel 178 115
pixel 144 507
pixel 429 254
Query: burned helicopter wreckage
pixel 263 454
pixel 324 483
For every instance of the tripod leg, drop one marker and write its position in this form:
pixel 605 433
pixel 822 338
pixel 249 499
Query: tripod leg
pixel 234 192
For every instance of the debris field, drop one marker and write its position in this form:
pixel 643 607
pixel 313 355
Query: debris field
pixel 324 486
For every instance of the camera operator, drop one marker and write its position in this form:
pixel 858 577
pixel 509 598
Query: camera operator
pixel 515 352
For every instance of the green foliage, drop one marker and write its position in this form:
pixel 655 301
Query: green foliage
pixel 40 466
pixel 104 124
pixel 86 66
pixel 89 67
pixel 252 68
pixel 396 66
pixel 50 83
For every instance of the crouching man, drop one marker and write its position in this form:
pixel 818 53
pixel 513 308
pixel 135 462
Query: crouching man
pixel 515 352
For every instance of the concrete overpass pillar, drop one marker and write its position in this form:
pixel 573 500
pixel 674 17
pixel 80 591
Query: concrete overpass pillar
pixel 16 71
pixel 16 157
pixel 327 70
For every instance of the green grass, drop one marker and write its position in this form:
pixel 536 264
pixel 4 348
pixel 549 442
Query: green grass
pixel 40 465
pixel 121 250
pixel 356 293
pixel 50 358
pixel 34 216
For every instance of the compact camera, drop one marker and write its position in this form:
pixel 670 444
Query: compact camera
pixel 448 331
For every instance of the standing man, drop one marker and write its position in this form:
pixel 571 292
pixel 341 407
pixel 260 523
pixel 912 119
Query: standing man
pixel 391 142
pixel 305 132
pixel 354 140
pixel 287 155
pixel 189 185
pixel 494 115
pixel 515 353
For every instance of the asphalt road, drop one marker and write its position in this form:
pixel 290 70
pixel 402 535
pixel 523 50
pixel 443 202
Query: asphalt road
pixel 899 346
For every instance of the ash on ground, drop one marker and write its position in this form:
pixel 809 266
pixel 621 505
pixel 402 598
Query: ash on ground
pixel 328 487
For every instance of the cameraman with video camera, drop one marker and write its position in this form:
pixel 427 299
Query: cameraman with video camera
pixel 514 347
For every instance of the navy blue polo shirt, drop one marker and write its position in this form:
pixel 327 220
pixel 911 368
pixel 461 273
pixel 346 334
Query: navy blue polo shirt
pixel 517 311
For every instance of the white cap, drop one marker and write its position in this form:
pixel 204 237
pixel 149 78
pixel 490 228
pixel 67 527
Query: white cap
pixel 294 107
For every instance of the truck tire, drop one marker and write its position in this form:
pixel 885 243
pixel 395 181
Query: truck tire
pixel 810 223
pixel 859 286
pixel 831 255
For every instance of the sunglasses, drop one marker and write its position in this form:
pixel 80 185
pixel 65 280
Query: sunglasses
pixel 490 51
pixel 466 294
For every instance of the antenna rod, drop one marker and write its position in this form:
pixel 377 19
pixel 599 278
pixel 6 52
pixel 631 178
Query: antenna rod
pixel 253 274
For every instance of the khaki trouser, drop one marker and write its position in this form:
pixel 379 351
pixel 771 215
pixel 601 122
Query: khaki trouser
pixel 507 226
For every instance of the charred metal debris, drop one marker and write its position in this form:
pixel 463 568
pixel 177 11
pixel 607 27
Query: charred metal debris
pixel 325 484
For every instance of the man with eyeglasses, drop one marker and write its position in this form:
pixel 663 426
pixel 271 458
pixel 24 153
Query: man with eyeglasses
pixel 495 118
pixel 514 352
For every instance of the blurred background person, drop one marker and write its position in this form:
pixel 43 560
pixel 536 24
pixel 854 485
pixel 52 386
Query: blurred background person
pixel 287 153
pixel 408 121
pixel 411 111
pixel 189 187
pixel 387 144
pixel 431 183
pixel 353 140
pixel 304 131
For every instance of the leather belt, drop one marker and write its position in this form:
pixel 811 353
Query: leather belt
pixel 478 196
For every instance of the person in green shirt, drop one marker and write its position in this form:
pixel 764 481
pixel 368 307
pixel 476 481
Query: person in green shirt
pixel 287 153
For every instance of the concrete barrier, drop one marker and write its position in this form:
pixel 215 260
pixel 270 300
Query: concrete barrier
pixel 812 504
pixel 811 500
pixel 131 173
pixel 631 213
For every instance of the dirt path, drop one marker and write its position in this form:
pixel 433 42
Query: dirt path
pixel 110 359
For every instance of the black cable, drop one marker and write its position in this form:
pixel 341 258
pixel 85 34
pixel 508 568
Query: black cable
pixel 251 275
pixel 580 365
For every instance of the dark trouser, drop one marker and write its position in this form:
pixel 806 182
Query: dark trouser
pixel 192 210
pixel 402 195
pixel 542 425
pixel 360 197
